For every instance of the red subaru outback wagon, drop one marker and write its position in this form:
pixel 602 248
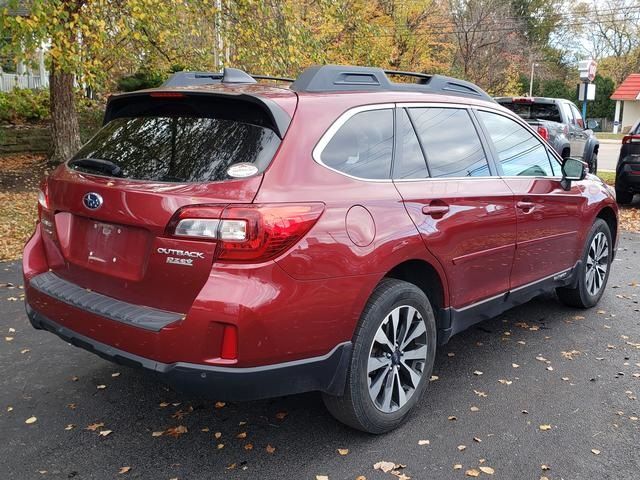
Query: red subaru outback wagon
pixel 246 241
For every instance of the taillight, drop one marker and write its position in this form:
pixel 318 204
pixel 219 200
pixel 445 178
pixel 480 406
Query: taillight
pixel 247 233
pixel 630 139
pixel 43 198
pixel 543 132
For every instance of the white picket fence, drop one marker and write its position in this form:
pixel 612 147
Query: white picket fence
pixel 9 81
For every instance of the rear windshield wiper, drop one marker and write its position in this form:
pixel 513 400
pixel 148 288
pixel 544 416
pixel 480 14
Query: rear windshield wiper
pixel 97 165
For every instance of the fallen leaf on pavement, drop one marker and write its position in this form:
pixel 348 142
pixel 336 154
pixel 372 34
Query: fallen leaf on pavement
pixel 104 433
pixel 270 449
pixel 248 446
pixel 281 415
pixel 477 372
pixel 322 477
pixel 487 470
pixel 220 404
pixel 462 447
pixel 595 451
pixel 31 420
pixel 124 470
pixel 157 434
pixel 472 472
pixel 544 428
pixel 175 432
pixel 343 451
pixel 515 365
pixel 242 435
pixel 94 426
pixel 474 409
pixel 116 374
pixel 452 418
pixel 101 387
pixel 71 426
pixel 423 442
pixel 457 466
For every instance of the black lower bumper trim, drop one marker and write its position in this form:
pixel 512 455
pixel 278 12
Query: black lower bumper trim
pixel 326 373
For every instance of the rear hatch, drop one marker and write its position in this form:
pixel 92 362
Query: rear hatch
pixel 109 214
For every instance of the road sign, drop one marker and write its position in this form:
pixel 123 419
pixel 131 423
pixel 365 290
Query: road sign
pixel 587 69
pixel 589 88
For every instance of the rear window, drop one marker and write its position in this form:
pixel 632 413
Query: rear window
pixel 176 148
pixel 535 111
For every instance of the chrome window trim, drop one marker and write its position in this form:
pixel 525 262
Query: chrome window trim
pixel 344 117
pixel 333 129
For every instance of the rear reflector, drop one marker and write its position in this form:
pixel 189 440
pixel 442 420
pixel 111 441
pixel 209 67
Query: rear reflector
pixel 229 348
pixel 630 139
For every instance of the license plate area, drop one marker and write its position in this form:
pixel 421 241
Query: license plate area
pixel 116 250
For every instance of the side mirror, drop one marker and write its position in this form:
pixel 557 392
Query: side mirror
pixel 592 124
pixel 573 170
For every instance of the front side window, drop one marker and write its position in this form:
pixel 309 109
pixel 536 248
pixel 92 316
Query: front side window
pixel 578 116
pixel 519 152
pixel 363 146
pixel 450 142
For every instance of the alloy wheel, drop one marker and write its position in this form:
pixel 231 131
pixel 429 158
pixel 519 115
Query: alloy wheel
pixel 397 358
pixel 597 263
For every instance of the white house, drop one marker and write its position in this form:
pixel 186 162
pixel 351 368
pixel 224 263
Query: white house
pixel 22 75
pixel 627 94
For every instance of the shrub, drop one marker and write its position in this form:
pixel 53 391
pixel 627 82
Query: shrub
pixel 140 80
pixel 22 105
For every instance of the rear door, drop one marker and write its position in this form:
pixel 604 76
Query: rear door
pixel 548 217
pixel 577 138
pixel 114 203
pixel 464 213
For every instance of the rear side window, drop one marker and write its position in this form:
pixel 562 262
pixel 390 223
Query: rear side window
pixel 409 161
pixel 176 148
pixel 519 152
pixel 363 146
pixel 535 111
pixel 450 142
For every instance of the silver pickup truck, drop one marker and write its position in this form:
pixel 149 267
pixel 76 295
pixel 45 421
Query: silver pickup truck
pixel 560 123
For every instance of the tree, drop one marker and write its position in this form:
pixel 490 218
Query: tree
pixel 91 41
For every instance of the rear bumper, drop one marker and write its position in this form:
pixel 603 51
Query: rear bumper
pixel 628 175
pixel 326 373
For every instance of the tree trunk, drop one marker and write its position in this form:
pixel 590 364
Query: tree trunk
pixel 64 117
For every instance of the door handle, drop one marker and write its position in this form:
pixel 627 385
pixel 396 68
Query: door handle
pixel 526 207
pixel 435 209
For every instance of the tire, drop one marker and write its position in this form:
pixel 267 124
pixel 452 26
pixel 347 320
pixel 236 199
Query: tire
pixel 357 407
pixel 586 294
pixel 623 197
pixel 593 165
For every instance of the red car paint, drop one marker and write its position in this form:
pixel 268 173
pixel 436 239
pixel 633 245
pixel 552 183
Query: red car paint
pixel 481 236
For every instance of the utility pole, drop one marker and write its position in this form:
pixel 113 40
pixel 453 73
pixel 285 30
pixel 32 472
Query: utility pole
pixel 533 65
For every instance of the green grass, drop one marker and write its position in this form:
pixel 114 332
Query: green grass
pixel 609 136
pixel 608 177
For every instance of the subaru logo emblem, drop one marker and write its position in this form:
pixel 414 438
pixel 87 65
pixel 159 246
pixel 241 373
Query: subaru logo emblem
pixel 92 200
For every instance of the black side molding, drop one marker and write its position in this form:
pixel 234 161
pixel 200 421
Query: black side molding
pixel 452 321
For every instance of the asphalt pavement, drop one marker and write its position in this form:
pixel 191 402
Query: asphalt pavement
pixel 542 391
pixel 608 155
